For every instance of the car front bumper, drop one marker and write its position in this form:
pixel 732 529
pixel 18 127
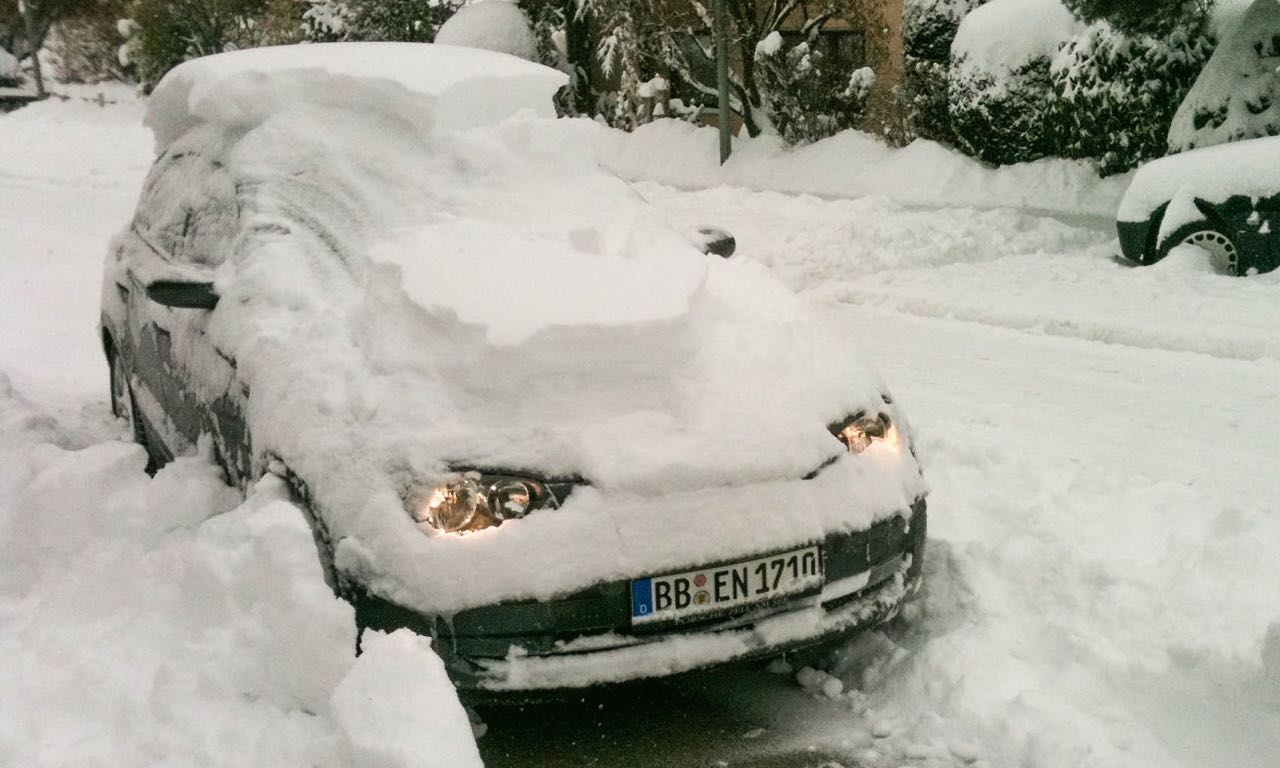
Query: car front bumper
pixel 587 639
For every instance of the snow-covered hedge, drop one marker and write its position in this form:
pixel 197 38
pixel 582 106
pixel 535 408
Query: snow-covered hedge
pixel 1237 95
pixel 999 95
pixel 805 98
pixel 928 29
pixel 1115 93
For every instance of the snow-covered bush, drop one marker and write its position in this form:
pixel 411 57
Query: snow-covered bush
pixel 1115 93
pixel 10 72
pixel 495 25
pixel 168 33
pixel 1237 95
pixel 86 46
pixel 1141 17
pixel 998 90
pixel 805 98
pixel 928 29
pixel 414 21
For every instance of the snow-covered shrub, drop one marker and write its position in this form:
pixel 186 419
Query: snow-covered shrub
pixel 1115 93
pixel 414 21
pixel 1141 17
pixel 86 46
pixel 928 29
pixel 998 90
pixel 168 33
pixel 805 98
pixel 495 25
pixel 1237 95
pixel 10 71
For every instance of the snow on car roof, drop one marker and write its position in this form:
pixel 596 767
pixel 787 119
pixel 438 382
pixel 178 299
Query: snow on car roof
pixel 472 86
pixel 1213 174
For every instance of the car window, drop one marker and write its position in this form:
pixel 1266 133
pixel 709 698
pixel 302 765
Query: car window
pixel 188 208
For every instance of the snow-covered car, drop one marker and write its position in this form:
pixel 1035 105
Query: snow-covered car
pixel 1225 199
pixel 525 416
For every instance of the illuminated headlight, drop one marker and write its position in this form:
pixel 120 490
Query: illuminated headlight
pixel 474 501
pixel 860 432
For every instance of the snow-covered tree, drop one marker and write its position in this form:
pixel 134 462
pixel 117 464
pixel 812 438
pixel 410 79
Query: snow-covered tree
pixel 999 95
pixel 928 30
pixel 643 38
pixel 1237 95
pixel 1142 17
pixel 415 21
pixel 805 98
pixel 1115 93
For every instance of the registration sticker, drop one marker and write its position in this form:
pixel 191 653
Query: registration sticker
pixel 726 589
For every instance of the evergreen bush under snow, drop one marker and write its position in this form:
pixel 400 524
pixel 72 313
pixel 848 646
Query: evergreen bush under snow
pixel 805 99
pixel 928 30
pixel 1237 95
pixel 1115 93
pixel 999 94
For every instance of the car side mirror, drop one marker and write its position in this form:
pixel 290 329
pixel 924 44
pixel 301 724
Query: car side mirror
pixel 183 294
pixel 713 240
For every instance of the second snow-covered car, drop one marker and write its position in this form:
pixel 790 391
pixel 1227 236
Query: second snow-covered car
pixel 524 415
pixel 1224 199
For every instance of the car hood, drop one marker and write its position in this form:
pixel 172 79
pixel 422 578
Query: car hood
pixel 1213 174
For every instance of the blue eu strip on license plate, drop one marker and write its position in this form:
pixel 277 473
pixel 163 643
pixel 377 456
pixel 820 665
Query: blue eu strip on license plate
pixel 725 589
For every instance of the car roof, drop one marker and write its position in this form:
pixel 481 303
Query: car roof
pixel 471 86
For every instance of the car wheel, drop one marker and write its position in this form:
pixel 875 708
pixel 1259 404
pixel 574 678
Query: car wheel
pixel 1224 255
pixel 125 407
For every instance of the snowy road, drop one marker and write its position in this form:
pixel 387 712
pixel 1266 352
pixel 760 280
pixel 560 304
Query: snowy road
pixel 1101 444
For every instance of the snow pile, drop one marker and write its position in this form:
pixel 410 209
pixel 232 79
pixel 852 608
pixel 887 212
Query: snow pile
pixel 849 164
pixel 1237 95
pixel 494 25
pixel 147 621
pixel 572 336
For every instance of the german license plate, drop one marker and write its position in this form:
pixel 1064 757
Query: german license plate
pixel 723 590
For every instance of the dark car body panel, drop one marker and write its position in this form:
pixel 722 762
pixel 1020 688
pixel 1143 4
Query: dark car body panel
pixel 1253 224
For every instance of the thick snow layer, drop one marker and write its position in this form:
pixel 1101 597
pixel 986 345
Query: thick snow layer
pixel 850 164
pixel 494 25
pixel 472 87
pixel 163 621
pixel 1213 174
pixel 1001 36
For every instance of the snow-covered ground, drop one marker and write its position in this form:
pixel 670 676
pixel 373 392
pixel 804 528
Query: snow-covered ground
pixel 1100 442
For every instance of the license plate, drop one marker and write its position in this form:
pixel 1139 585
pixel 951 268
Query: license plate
pixel 727 589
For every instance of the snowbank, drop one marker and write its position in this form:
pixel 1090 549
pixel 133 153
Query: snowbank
pixel 166 621
pixel 494 25
pixel 851 164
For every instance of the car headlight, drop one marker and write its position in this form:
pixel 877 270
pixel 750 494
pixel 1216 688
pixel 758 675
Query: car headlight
pixel 473 501
pixel 860 431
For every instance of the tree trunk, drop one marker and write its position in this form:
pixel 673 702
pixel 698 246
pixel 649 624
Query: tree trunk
pixel 34 42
